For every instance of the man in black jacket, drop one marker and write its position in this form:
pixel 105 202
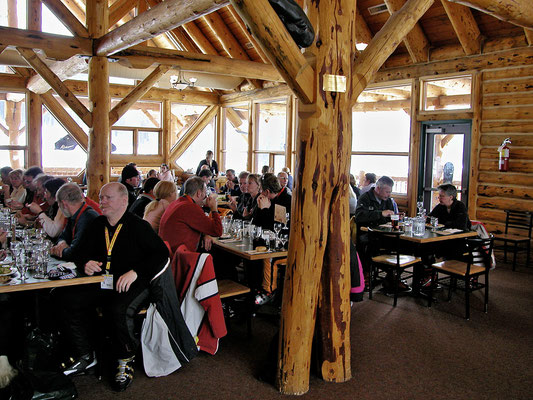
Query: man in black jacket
pixel 127 250
pixel 129 177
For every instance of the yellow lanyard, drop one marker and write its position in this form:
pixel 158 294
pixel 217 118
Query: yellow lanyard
pixel 110 245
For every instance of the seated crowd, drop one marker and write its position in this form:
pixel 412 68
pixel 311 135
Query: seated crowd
pixel 134 231
pixel 129 237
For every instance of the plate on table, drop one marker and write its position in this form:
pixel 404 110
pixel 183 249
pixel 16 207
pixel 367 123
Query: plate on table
pixel 448 231
pixel 7 271
pixel 4 280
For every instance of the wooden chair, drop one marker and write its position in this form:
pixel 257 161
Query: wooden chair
pixel 229 290
pixel 517 220
pixel 385 248
pixel 477 263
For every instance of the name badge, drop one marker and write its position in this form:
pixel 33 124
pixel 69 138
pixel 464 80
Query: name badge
pixel 107 283
pixel 371 208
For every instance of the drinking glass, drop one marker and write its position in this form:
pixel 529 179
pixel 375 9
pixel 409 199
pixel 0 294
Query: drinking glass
pixel 287 217
pixel 395 222
pixel 266 238
pixel 284 240
pixel 434 224
pixel 408 225
pixel 277 229
pixel 419 206
pixel 246 228
pixel 419 226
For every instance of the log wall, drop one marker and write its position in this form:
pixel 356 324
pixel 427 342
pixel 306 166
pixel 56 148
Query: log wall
pixel 507 111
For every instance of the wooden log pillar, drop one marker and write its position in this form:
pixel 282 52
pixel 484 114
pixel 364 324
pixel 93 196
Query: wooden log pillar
pixel 318 277
pixel 35 108
pixel 99 102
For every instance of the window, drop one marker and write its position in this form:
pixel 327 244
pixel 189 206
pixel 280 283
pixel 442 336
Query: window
pixel 191 157
pixel 271 134
pixel 138 131
pixel 19 12
pixel 454 93
pixel 13 129
pixel 183 117
pixel 61 154
pixel 235 144
pixel 380 134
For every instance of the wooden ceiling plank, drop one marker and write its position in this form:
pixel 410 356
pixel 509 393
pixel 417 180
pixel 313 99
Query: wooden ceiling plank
pixel 145 57
pixel 385 42
pixel 529 36
pixel 66 121
pixel 228 41
pixel 247 34
pixel 55 46
pixel 139 91
pixel 279 46
pixel 119 9
pixel 57 84
pixel 72 23
pixel 184 40
pixel 465 26
pixel 77 9
pixel 62 69
pixel 416 42
pixel 363 34
pixel 199 38
pixel 159 19
pixel 518 12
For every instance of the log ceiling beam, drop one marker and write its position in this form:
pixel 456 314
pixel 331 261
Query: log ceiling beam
pixel 279 46
pixel 66 121
pixel 76 8
pixel 416 41
pixel 499 59
pixel 465 27
pixel 259 94
pixel 62 69
pixel 143 57
pixel 119 9
pixel 529 36
pixel 9 81
pixel 57 84
pixel 385 42
pixel 62 12
pixel 199 38
pixel 55 46
pixel 247 34
pixel 363 34
pixel 163 17
pixel 230 44
pixel 139 91
pixel 518 12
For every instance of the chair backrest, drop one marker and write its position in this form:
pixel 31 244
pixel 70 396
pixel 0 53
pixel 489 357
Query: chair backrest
pixel 385 242
pixel 519 220
pixel 480 252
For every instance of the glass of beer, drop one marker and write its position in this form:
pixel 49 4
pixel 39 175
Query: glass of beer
pixel 395 221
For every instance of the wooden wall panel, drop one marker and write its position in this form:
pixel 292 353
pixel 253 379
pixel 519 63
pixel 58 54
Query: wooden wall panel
pixel 507 111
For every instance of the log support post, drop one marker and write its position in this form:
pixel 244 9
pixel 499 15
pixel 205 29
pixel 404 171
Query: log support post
pixel 35 109
pixel 99 101
pixel 317 279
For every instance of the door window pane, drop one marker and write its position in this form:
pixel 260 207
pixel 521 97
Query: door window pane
pixel 447 94
pixel 236 140
pixel 13 119
pixel 122 142
pixel 260 160
pixel 395 167
pixel 279 162
pixel 195 153
pixel 148 142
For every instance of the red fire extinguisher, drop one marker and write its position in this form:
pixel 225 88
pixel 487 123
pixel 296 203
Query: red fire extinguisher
pixel 503 150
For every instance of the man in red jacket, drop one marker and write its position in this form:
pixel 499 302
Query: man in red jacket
pixel 184 221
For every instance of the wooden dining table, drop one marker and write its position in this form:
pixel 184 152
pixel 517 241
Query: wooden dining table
pixel 31 283
pixel 244 248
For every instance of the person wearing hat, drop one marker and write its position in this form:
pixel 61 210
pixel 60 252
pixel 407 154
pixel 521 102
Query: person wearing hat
pixel 130 178
pixel 52 220
pixel 144 198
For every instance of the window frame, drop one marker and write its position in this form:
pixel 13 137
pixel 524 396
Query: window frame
pixel 24 148
pixel 432 78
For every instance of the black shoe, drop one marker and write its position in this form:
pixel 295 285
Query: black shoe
pixel 81 365
pixel 388 287
pixel 263 297
pixel 124 376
